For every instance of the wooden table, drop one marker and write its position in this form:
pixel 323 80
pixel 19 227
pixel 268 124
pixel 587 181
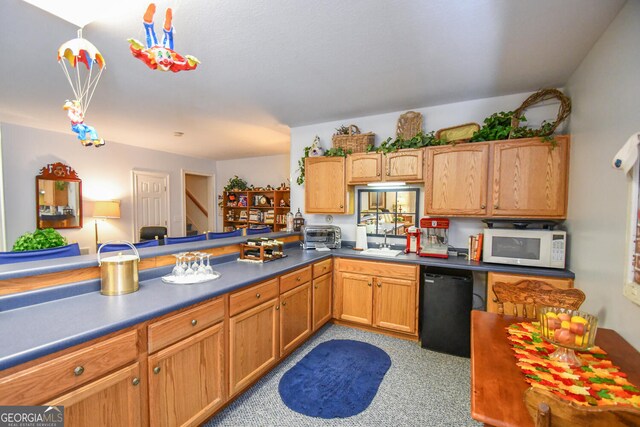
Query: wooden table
pixel 498 384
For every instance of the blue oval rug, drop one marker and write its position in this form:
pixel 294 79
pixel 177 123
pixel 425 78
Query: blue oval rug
pixel 337 379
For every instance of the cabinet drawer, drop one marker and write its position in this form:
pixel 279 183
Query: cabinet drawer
pixel 257 294
pixel 42 382
pixel 322 267
pixel 382 269
pixel 291 280
pixel 172 329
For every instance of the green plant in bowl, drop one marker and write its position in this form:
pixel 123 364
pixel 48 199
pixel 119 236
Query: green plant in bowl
pixel 39 239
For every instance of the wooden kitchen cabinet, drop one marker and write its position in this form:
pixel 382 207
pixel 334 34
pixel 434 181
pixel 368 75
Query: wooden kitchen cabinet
pixel 363 168
pixel 325 185
pixel 377 294
pixel 356 297
pixel 404 165
pixel 186 380
pixel 253 334
pixel 492 305
pixel 395 304
pixel 529 178
pixel 114 400
pixel 322 293
pixel 295 317
pixel 456 180
pixel 186 365
pixel 401 165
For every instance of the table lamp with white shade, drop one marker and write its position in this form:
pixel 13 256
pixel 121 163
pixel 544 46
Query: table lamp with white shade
pixel 105 209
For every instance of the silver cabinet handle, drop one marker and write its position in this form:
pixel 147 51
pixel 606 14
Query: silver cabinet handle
pixel 194 322
pixel 258 295
pixel 156 370
pixel 79 370
pixel 135 381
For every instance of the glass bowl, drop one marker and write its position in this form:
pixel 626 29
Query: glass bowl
pixel 569 330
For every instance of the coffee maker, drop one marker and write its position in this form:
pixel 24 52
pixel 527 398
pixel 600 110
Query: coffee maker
pixel 434 241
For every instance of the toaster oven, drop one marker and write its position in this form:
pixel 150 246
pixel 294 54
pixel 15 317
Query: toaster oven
pixel 321 236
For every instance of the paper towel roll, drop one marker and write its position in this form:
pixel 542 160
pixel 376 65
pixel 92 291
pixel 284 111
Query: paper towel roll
pixel 361 237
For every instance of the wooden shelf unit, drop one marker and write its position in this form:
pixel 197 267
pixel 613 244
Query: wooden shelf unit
pixel 240 209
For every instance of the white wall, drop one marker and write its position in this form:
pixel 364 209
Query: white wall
pixel 605 90
pixel 384 126
pixel 257 171
pixel 105 173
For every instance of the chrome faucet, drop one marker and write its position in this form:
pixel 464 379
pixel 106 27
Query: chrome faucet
pixel 384 245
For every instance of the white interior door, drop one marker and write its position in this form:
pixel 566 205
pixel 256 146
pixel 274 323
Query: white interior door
pixel 151 200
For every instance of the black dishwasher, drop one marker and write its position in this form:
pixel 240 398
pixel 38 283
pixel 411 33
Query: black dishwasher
pixel 446 298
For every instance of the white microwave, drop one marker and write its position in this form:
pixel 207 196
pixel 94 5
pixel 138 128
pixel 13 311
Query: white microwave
pixel 535 248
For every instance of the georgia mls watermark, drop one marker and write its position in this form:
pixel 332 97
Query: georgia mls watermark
pixel 31 416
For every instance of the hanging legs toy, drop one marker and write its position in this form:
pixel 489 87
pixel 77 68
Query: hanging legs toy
pixel 156 56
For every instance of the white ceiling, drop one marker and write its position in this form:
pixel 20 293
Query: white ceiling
pixel 270 65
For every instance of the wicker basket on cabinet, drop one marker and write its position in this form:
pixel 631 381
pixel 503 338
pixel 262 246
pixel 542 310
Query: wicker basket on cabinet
pixel 354 142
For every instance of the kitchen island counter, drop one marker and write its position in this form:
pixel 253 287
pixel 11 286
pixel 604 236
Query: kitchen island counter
pixel 41 322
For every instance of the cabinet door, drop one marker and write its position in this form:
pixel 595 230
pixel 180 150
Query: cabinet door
pixel 253 344
pixel 363 168
pixel 321 301
pixel 355 298
pixel 113 400
pixel 530 178
pixel 186 380
pixel 325 186
pixel 295 317
pixel 404 165
pixel 492 304
pixel 395 304
pixel 456 180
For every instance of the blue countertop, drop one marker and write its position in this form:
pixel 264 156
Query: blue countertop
pixel 40 322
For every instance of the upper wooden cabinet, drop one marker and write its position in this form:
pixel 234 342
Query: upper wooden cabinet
pixel 529 178
pixel 363 168
pixel 325 186
pixel 403 165
pixel 522 178
pixel 456 179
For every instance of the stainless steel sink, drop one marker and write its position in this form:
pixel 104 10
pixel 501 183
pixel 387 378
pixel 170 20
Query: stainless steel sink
pixel 385 252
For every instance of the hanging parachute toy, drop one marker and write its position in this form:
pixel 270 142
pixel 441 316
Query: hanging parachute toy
pixel 70 56
pixel 158 57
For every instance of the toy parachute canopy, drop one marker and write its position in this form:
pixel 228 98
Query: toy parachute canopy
pixel 70 55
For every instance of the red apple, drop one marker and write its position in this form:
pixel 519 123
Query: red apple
pixel 553 323
pixel 578 328
pixel 564 336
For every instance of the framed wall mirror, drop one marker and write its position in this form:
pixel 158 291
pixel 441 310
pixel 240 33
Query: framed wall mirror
pixel 58 197
pixel 393 210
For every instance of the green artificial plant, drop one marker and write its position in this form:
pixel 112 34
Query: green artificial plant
pixel 420 140
pixel 235 183
pixel 39 239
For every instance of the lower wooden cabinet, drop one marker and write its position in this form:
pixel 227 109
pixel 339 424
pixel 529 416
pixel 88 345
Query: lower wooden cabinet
pixel 114 400
pixel 186 380
pixel 395 302
pixel 492 305
pixel 321 300
pixel 295 317
pixel 382 295
pixel 253 344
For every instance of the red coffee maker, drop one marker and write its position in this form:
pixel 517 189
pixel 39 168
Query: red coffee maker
pixel 413 240
pixel 435 237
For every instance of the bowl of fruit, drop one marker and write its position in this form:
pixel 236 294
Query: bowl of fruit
pixel 569 330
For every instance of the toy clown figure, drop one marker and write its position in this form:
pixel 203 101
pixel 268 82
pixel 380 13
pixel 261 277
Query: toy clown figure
pixel 157 57
pixel 86 134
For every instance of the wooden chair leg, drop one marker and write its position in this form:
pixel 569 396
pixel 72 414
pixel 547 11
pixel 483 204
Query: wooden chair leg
pixel 543 418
